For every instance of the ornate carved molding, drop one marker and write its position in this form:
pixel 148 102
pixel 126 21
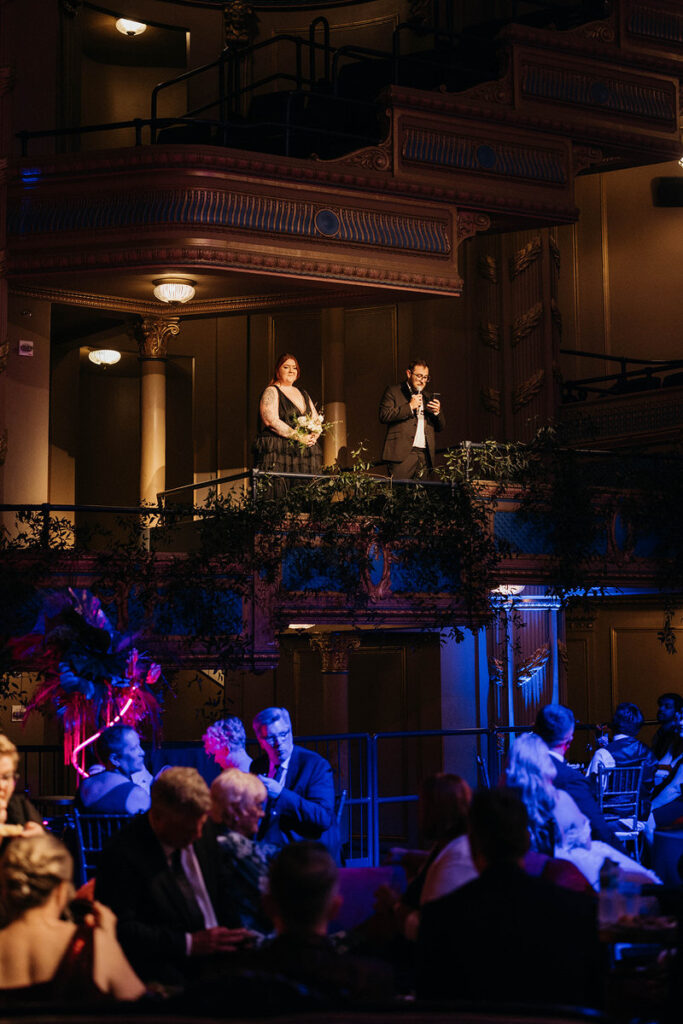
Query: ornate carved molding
pixel 524 324
pixel 240 23
pixel 585 156
pixel 288 264
pixel 237 304
pixel 524 257
pixel 490 399
pixel 4 353
pixel 469 223
pixel 531 666
pixel 236 210
pixel 334 650
pixel 487 267
pixel 489 334
pixel 3 446
pixel 372 158
pixel 483 153
pixel 528 390
pixel 606 92
pixel 154 334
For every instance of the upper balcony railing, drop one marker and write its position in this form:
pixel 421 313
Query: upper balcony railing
pixel 322 99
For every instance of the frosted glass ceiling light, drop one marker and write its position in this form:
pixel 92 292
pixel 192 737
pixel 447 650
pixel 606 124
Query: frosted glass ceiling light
pixel 104 356
pixel 173 289
pixel 130 28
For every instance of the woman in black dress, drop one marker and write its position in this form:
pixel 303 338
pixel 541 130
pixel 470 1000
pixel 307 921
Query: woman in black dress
pixel 283 444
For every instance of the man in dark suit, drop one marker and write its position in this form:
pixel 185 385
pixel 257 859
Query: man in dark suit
pixel 160 876
pixel 299 782
pixel 555 725
pixel 411 415
pixel 506 936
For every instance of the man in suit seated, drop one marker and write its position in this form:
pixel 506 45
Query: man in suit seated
pixel 113 791
pixel 555 725
pixel 411 415
pixel 299 782
pixel 161 877
pixel 506 936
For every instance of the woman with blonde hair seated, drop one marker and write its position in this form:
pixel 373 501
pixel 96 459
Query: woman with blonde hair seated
pixel 556 825
pixel 16 810
pixel 237 806
pixel 43 955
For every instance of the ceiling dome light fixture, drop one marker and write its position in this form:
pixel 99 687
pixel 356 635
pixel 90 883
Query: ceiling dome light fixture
pixel 104 356
pixel 130 28
pixel 173 290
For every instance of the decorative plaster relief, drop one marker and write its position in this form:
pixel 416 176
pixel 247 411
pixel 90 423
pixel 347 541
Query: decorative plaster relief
pixel 656 23
pixel 334 650
pixel 522 395
pixel 523 325
pixel 215 208
pixel 482 154
pixel 636 99
pixel 487 267
pixel 490 399
pixel 154 335
pixel 489 334
pixel 524 257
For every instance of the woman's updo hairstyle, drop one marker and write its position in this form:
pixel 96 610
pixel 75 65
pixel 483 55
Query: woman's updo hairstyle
pixel 30 868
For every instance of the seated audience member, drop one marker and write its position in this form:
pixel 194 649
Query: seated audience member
pixel 16 810
pixel 237 801
pixel 442 813
pixel 506 936
pixel 303 897
pixel 299 782
pixel 161 877
pixel 226 741
pixel 112 791
pixel 530 772
pixel 625 751
pixel 555 725
pixel 44 957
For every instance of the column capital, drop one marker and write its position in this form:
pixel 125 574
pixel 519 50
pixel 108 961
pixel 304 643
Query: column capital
pixel 153 334
pixel 334 650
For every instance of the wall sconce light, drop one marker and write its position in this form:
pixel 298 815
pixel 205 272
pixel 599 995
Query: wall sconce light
pixel 130 28
pixel 104 356
pixel 173 290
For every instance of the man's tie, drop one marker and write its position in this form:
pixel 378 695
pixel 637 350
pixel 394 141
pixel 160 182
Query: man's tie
pixel 196 917
pixel 279 772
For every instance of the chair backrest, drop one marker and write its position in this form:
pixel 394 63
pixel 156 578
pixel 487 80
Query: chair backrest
pixel 92 832
pixel 618 792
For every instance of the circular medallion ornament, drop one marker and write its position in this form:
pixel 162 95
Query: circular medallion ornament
pixel 486 157
pixel 327 222
pixel 599 93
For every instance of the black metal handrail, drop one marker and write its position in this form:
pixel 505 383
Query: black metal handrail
pixel 646 370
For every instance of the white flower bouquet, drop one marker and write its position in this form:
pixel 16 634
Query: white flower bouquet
pixel 308 424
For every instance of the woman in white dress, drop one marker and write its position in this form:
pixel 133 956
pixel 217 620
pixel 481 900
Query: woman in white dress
pixel 554 813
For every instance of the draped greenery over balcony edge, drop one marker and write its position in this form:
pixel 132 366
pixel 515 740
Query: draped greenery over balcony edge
pixel 359 541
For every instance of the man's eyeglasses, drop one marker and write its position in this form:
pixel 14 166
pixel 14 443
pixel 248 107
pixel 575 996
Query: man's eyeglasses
pixel 9 777
pixel 420 376
pixel 274 737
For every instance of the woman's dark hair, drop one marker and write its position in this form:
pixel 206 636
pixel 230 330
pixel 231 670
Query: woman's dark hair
pixel 283 359
pixel 444 806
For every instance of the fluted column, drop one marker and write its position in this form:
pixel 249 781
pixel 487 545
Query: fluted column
pixel 153 345
pixel 334 441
